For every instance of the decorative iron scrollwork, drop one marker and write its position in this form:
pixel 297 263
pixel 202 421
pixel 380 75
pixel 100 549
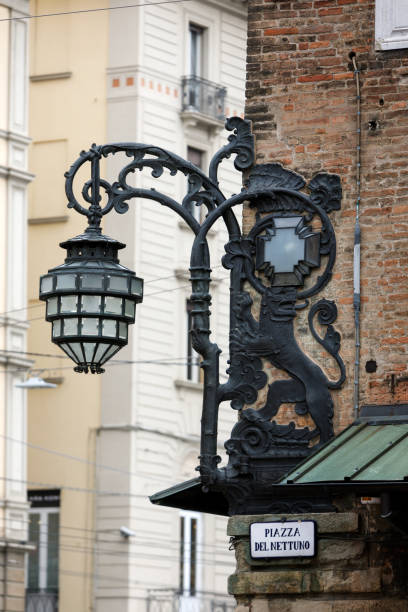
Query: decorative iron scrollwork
pixel 291 237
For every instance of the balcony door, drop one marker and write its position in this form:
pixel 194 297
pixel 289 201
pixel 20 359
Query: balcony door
pixel 190 566
pixel 42 566
pixel 196 50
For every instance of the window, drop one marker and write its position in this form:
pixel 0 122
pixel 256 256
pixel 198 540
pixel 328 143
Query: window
pixel 43 532
pixel 196 157
pixel 190 536
pixel 196 50
pixel 196 66
pixel 193 371
pixel 391 24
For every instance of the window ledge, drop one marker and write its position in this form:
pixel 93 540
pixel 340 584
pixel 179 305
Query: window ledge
pixel 187 384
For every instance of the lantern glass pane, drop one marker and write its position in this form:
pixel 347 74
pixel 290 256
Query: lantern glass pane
pixel 91 303
pixel 109 328
pixel 113 305
pixel 122 330
pixel 113 349
pixel 76 348
pixel 91 281
pixel 102 347
pixel 89 349
pixel 137 286
pixel 67 349
pixel 71 327
pixel 69 303
pixel 130 308
pixel 52 306
pixel 46 284
pixel 118 283
pixel 90 326
pixel 66 281
pixel 56 328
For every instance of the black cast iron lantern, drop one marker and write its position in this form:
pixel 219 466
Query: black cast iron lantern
pixel 91 299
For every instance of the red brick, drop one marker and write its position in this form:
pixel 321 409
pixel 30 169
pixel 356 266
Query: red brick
pixel 315 77
pixel 342 76
pixel 318 44
pixel 280 31
pixel 330 11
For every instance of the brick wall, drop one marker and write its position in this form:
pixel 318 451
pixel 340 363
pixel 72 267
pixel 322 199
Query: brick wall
pixel 301 98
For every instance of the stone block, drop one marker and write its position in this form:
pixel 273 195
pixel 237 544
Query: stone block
pixel 369 605
pixel 15 589
pixel 294 582
pixel 14 604
pixel 344 581
pixel 333 551
pixel 328 522
pixel 347 605
pixel 15 558
pixel 260 605
pixel 14 574
pixel 299 606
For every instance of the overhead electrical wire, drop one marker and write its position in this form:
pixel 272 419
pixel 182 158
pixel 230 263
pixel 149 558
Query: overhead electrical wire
pixel 157 542
pixel 134 555
pixel 76 458
pixel 62 487
pixel 95 10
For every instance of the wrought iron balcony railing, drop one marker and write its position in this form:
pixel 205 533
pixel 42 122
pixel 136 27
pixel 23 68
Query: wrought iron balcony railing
pixel 205 97
pixel 170 600
pixel 41 601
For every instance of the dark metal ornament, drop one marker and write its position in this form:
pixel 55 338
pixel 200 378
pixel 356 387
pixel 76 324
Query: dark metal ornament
pixel 291 238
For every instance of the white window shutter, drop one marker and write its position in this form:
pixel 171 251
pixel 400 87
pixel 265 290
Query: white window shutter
pixel 391 24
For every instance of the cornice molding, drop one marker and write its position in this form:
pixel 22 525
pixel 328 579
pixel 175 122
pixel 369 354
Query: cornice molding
pixel 19 175
pixel 22 363
pixel 15 137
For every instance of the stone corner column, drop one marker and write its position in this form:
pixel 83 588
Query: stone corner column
pixel 361 566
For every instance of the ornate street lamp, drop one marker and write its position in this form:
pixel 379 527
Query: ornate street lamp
pixel 91 300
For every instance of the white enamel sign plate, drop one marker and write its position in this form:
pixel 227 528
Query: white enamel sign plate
pixel 286 539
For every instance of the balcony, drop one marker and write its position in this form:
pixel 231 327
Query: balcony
pixel 41 601
pixel 172 601
pixel 203 101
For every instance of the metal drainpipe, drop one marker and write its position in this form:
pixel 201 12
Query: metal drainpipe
pixel 357 241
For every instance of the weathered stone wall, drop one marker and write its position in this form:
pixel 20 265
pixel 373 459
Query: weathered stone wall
pixel 301 98
pixel 360 566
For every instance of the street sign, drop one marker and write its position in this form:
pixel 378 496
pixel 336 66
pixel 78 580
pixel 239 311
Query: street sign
pixel 283 539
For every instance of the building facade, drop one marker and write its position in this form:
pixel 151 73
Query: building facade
pixel 165 75
pixel 14 180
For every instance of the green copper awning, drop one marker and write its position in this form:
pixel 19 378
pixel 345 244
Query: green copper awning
pixel 373 448
pixel 370 457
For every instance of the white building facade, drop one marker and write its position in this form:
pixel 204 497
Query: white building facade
pixel 14 180
pixel 175 71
